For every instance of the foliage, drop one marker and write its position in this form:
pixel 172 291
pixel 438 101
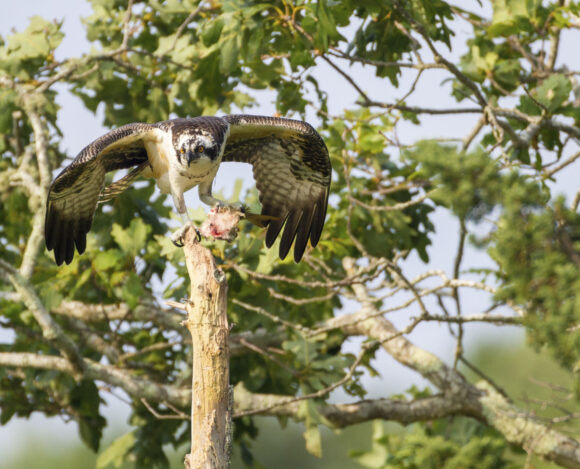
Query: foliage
pixel 163 59
pixel 450 443
pixel 454 444
pixel 544 247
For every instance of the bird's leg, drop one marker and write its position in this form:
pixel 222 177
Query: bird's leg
pixel 220 205
pixel 207 198
pixel 178 236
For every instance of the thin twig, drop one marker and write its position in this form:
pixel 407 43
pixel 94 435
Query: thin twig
pixel 455 289
pixel 272 317
pixel 395 207
pixel 177 415
pixel 482 375
pixel 183 25
pixel 300 301
pixel 562 165
pixel 269 356
pixel 379 63
pixel 347 77
pixel 423 110
pixel 125 27
pixel 315 395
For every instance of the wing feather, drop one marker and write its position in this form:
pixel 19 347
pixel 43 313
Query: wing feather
pixel 302 235
pixel 73 195
pixel 292 171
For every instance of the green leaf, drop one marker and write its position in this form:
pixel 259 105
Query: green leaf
pixel 158 106
pixel 90 435
pixel 554 91
pixel 254 44
pixel 132 290
pixel 229 54
pixel 38 40
pixel 326 27
pixel 169 250
pixel 268 259
pixel 313 441
pixel 164 45
pixel 51 297
pixel 104 260
pixel 6 414
pixel 115 453
pixel 132 239
pixel 377 456
pixel 509 17
pixel 212 31
pixel 85 399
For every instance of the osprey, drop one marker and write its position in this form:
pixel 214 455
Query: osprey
pixel 289 159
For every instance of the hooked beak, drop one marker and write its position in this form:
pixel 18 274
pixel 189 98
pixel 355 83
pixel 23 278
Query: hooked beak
pixel 191 157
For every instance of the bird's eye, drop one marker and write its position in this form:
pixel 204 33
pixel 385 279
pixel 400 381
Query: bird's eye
pixel 200 149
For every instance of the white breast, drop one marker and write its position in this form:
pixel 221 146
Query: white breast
pixel 184 178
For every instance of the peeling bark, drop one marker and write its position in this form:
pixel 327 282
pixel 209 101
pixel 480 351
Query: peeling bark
pixel 208 325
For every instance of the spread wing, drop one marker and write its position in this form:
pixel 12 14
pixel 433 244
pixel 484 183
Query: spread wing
pixel 292 172
pixel 74 194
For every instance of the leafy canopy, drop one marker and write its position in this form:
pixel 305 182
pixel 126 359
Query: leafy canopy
pixel 185 58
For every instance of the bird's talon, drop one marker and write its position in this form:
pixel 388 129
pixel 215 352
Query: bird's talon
pixel 178 237
pixel 232 207
pixel 238 207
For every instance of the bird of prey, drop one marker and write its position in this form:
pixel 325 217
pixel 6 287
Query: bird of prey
pixel 289 159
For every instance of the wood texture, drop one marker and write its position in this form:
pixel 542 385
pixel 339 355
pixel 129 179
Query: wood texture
pixel 207 322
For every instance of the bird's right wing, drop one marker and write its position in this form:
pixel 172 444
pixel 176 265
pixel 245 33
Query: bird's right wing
pixel 292 172
pixel 73 195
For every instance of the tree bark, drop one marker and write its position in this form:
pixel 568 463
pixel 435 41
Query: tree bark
pixel 208 325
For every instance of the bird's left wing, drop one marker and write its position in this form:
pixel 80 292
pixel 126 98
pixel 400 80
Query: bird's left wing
pixel 74 194
pixel 292 172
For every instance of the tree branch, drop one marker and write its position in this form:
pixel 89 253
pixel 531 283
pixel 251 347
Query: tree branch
pixel 344 415
pixel 50 329
pixel 135 386
pixel 90 312
pixel 422 110
pixel 439 58
pixel 35 241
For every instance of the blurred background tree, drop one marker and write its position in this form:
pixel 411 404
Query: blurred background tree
pixel 307 335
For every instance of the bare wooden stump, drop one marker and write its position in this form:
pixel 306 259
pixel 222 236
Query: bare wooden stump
pixel 208 324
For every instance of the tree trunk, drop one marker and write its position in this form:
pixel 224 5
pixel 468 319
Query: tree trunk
pixel 207 322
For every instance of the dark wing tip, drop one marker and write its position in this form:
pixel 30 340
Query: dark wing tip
pixel 303 232
pixel 289 234
pixel 63 233
pixel 318 219
pixel 274 227
pixel 301 224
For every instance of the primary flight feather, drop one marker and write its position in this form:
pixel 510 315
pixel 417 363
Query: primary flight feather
pixel 289 159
